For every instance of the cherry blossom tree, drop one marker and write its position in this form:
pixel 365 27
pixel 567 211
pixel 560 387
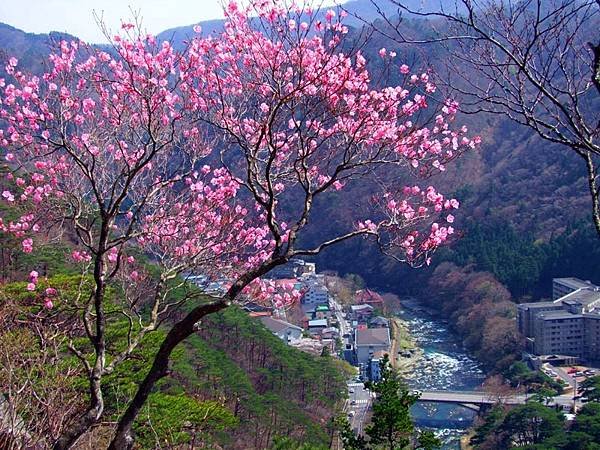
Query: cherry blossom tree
pixel 209 160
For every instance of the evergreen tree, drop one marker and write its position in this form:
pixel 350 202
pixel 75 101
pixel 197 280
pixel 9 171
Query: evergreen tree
pixel 350 440
pixel 391 425
pixel 532 424
pixel 591 389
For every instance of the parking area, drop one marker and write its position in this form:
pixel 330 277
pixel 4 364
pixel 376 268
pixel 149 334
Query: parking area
pixel 574 376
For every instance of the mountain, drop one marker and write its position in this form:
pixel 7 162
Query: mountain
pixel 31 49
pixel 535 187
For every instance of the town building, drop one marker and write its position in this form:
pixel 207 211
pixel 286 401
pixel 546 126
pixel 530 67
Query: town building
pixel 294 268
pixel 564 286
pixel 369 297
pixel 361 313
pixel 379 322
pixel 257 310
pixel 322 312
pixel 285 331
pixel 566 326
pixel 315 294
pixel 374 367
pixel 330 333
pixel 317 326
pixel 369 341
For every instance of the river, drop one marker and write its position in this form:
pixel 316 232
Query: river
pixel 445 365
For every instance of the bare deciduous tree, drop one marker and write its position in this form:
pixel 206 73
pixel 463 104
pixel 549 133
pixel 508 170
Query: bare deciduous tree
pixel 537 62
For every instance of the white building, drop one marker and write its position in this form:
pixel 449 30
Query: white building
pixel 317 326
pixel 564 286
pixel 567 326
pixel 368 341
pixel 285 331
pixel 315 293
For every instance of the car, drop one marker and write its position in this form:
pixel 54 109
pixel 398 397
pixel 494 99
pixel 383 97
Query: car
pixel 353 402
pixel 351 391
pixel 351 413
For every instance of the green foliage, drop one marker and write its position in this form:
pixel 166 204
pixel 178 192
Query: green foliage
pixel 513 258
pixel 523 263
pixel 350 440
pixel 428 441
pixel 287 443
pixel 272 388
pixel 532 424
pixel 591 389
pixel 233 381
pixel 587 424
pixel 391 425
pixel 535 426
pixel 491 423
pixel 174 418
pixel 518 374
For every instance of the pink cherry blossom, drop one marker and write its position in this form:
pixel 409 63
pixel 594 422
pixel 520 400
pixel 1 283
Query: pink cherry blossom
pixel 50 292
pixel 214 158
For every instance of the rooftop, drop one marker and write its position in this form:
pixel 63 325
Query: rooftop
pixel 583 297
pixel 575 283
pixel 276 325
pixel 330 330
pixel 368 296
pixel 260 314
pixel 372 336
pixel 557 315
pixel 536 305
pixel 380 321
pixel 317 323
pixel 355 308
pixel 256 307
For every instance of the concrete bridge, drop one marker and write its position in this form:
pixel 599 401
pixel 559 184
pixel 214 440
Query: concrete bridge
pixel 474 399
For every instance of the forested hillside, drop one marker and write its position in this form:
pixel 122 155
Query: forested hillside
pixel 233 384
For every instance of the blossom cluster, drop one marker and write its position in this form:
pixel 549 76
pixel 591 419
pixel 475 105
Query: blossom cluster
pixel 209 158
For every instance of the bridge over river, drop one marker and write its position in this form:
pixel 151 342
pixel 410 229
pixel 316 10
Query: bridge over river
pixel 479 398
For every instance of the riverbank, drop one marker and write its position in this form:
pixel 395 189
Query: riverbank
pixel 405 351
pixel 465 441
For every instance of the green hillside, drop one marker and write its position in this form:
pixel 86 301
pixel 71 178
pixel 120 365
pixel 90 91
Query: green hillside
pixel 233 384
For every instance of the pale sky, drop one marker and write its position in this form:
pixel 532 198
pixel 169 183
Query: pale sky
pixel 76 16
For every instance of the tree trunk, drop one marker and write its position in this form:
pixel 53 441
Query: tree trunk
pixel 594 190
pixel 123 439
pixel 75 431
pixel 70 436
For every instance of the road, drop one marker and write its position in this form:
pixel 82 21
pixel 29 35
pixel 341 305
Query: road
pixel 479 398
pixel 337 308
pixel 359 403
